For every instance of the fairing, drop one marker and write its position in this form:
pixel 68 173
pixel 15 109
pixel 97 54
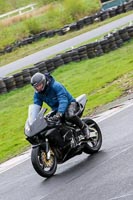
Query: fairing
pixel 35 122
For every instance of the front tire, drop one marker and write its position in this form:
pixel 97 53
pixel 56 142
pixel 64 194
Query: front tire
pixel 94 143
pixel 45 168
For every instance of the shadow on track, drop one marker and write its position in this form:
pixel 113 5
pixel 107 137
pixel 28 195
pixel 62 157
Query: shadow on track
pixel 75 168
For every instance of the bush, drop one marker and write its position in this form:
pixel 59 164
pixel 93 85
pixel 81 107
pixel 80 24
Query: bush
pixel 80 8
pixel 56 17
pixel 6 38
pixel 9 35
pixel 33 25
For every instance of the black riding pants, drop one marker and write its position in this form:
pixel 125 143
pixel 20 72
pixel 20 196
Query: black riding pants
pixel 71 116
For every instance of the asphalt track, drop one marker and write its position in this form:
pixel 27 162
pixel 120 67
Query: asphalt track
pixel 43 54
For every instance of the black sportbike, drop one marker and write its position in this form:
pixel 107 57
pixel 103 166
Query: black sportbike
pixel 55 143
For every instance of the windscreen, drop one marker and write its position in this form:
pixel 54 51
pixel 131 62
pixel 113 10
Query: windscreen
pixel 33 112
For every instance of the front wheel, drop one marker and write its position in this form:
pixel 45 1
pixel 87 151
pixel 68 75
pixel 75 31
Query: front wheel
pixel 94 143
pixel 43 166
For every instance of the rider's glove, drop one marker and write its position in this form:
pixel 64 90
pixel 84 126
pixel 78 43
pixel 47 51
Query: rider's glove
pixel 57 117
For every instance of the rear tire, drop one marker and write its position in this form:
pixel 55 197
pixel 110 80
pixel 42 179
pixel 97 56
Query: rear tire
pixel 45 168
pixel 94 143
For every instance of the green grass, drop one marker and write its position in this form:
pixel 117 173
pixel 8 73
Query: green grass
pixel 103 79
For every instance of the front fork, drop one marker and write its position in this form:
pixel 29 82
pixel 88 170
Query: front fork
pixel 45 146
pixel 47 149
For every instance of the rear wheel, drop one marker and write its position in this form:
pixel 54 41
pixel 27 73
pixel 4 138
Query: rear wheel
pixel 95 141
pixel 43 166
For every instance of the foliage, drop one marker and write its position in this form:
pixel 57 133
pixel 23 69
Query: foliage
pixel 80 8
pixel 33 26
pixel 54 16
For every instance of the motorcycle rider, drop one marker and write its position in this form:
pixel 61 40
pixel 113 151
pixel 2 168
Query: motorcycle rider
pixel 56 96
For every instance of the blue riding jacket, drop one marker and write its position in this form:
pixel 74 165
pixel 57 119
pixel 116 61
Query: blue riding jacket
pixel 54 95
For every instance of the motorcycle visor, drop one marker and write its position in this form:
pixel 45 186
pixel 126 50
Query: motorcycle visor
pixel 39 86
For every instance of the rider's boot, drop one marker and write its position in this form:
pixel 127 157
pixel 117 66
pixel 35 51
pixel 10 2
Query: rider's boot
pixel 82 125
pixel 86 131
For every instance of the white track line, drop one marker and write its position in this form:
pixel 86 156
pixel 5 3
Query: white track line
pixel 109 113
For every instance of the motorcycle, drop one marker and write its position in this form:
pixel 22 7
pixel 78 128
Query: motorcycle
pixel 55 143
